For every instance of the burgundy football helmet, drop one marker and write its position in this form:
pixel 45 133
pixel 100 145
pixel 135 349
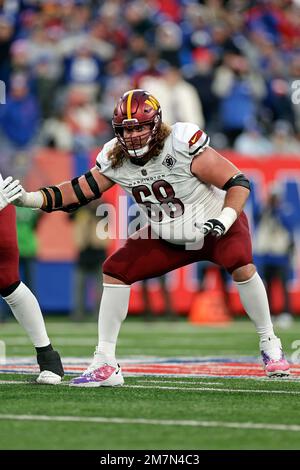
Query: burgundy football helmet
pixel 137 108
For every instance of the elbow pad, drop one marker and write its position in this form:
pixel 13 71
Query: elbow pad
pixel 71 195
pixel 237 180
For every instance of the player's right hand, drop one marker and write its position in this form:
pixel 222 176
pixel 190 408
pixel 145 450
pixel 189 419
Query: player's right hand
pixel 214 227
pixel 11 191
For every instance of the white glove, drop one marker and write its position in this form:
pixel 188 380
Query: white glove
pixel 13 191
pixel 10 190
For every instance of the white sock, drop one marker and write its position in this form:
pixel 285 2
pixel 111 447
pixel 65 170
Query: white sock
pixel 27 312
pixel 113 311
pixel 255 301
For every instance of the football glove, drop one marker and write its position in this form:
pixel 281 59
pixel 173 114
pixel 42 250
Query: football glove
pixel 13 192
pixel 10 190
pixel 214 227
pixel 221 225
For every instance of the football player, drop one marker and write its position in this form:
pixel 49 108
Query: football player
pixel 194 200
pixel 20 299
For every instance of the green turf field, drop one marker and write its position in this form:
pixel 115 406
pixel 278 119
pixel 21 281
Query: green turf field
pixel 151 412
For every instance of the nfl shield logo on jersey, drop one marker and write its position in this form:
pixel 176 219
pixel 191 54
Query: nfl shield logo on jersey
pixel 169 161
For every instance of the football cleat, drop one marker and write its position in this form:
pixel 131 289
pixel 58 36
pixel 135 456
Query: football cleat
pixel 51 368
pixel 48 378
pixel 273 358
pixel 104 375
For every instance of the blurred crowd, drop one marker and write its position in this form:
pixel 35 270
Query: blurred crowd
pixel 232 67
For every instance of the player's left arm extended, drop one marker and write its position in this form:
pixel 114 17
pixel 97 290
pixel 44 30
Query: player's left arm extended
pixel 211 168
pixel 67 196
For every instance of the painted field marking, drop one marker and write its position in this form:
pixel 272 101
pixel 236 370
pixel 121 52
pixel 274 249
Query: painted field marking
pixel 61 341
pixel 212 389
pixel 15 382
pixel 159 422
pixel 161 328
pixel 190 389
pixel 92 340
pixel 187 382
pixel 172 367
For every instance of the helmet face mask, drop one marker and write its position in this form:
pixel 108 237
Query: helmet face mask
pixel 136 122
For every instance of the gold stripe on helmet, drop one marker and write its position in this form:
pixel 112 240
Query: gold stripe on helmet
pixel 129 105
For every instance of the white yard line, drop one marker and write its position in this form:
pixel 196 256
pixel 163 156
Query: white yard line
pixel 289 379
pixel 144 359
pixel 212 389
pixel 203 376
pixel 14 382
pixel 180 382
pixel 192 389
pixel 139 326
pixel 60 341
pixel 159 422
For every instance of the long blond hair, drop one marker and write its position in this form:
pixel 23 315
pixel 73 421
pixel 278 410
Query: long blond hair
pixel 117 156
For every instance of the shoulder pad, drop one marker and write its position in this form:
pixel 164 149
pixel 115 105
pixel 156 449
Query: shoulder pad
pixel 102 161
pixel 191 137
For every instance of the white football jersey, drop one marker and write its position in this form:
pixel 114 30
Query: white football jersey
pixel 166 189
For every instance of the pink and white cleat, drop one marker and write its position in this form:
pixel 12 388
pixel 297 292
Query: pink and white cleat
pixel 99 374
pixel 273 358
pixel 104 376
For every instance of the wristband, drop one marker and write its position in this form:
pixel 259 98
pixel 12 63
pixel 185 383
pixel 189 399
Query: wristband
pixel 228 216
pixel 34 200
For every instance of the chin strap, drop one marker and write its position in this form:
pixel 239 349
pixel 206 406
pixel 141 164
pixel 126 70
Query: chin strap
pixel 139 153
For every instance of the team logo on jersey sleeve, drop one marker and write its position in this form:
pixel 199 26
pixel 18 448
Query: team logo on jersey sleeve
pixel 195 137
pixel 169 161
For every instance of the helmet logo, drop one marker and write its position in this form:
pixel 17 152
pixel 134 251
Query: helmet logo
pixel 153 102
